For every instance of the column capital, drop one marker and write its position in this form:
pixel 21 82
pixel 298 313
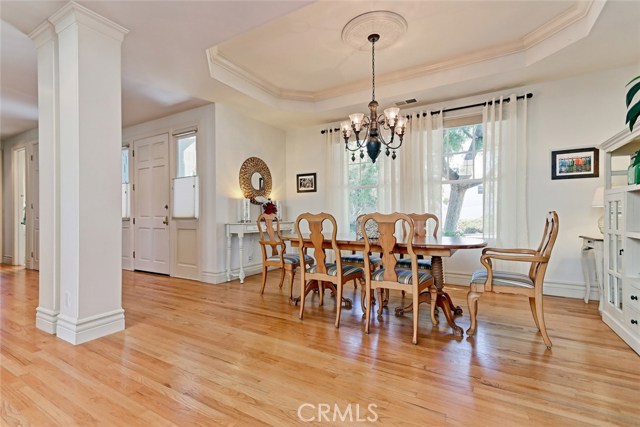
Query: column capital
pixel 72 13
pixel 43 34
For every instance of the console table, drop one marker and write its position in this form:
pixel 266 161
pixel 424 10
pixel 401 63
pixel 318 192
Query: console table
pixel 595 244
pixel 240 229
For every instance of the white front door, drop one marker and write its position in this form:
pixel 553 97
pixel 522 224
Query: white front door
pixel 151 204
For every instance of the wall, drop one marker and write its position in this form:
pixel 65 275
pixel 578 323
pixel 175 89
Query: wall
pixel 185 235
pixel 225 140
pixel 26 139
pixel 238 138
pixel 581 111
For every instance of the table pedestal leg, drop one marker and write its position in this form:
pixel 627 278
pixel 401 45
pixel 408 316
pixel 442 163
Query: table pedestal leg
pixel 313 285
pixel 443 301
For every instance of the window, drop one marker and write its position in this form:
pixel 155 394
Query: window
pixel 185 184
pixel 186 155
pixel 126 209
pixel 363 188
pixel 462 192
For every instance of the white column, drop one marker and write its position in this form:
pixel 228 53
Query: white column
pixel 86 175
pixel 49 302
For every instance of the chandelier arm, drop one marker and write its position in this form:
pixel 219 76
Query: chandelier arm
pixel 390 147
pixel 357 148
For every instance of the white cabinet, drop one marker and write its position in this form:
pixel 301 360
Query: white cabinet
pixel 621 299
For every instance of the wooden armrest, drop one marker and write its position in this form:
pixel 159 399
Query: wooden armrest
pixel 521 257
pixel 509 251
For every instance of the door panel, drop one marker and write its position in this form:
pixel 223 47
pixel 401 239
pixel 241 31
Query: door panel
pixel 151 202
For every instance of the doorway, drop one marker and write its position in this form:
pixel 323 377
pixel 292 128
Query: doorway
pixel 151 204
pixel 20 206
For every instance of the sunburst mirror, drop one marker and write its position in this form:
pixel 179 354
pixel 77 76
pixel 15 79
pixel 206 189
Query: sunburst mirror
pixel 255 179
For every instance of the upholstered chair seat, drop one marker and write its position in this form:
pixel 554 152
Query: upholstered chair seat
pixel 359 259
pixel 503 278
pixel 291 259
pixel 423 264
pixel 404 276
pixel 332 269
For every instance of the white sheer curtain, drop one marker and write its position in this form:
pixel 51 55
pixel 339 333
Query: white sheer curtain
pixel 505 173
pixel 337 192
pixel 413 182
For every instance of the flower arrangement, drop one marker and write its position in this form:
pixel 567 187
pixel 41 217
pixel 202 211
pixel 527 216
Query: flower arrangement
pixel 269 208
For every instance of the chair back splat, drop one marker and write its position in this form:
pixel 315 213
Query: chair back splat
pixel 274 252
pixel 389 277
pixel 323 273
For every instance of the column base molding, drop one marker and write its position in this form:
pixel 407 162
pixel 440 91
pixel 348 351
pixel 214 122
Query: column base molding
pixel 46 320
pixel 78 331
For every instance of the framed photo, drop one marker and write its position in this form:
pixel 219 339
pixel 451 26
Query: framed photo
pixel 576 163
pixel 306 182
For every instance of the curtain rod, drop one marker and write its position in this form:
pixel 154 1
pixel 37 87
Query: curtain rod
pixel 448 110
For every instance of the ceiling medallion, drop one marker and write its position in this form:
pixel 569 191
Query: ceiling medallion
pixel 388 25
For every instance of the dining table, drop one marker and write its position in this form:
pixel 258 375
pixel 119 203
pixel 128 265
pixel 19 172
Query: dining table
pixel 429 246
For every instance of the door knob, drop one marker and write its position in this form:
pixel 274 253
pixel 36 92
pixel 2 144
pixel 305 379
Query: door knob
pixel 166 220
pixel 166 207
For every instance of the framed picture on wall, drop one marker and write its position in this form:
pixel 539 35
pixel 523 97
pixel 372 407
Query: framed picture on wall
pixel 575 163
pixel 306 182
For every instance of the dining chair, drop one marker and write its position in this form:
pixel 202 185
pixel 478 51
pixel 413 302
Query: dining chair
pixel 273 252
pixel 357 258
pixel 331 274
pixel 389 276
pixel 530 285
pixel 421 229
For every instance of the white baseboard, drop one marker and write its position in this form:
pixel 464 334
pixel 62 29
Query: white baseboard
pixel 78 331
pixel 46 320
pixel 221 277
pixel 7 259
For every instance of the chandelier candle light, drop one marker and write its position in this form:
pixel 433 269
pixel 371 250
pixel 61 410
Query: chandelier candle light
pixel 373 139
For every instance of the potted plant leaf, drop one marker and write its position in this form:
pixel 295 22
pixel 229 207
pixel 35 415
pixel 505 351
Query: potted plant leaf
pixel 633 110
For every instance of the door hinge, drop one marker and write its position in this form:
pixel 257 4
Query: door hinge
pixel 134 187
pixel 31 254
pixel 134 254
pixel 134 221
pixel 31 205
pixel 32 157
pixel 133 153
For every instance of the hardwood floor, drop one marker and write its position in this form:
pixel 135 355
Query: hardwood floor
pixel 204 355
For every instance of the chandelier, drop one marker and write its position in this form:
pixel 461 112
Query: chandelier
pixel 390 121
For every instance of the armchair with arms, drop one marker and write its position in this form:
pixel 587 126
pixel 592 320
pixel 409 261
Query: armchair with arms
pixel 530 285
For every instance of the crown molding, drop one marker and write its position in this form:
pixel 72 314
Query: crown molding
pixel 72 13
pixel 535 45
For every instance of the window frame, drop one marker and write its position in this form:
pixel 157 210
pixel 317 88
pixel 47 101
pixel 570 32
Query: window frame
pixel 195 197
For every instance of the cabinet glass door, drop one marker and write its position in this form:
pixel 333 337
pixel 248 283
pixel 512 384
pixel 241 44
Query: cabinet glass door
pixel 614 250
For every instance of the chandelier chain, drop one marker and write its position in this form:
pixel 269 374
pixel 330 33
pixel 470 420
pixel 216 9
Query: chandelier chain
pixel 373 70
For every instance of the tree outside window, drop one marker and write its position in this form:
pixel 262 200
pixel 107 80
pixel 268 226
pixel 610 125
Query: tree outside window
pixel 462 198
pixel 363 189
